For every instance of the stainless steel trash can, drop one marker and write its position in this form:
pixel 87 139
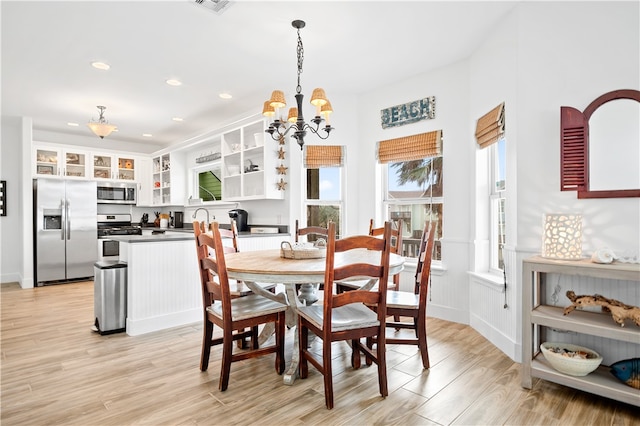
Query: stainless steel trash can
pixel 110 296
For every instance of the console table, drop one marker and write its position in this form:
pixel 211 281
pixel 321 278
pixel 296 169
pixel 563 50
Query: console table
pixel 538 316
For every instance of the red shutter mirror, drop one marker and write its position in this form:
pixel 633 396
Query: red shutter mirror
pixel 574 148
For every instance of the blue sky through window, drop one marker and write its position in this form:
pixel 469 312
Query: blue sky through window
pixel 329 183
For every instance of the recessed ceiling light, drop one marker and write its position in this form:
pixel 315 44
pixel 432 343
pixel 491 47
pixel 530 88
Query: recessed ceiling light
pixel 100 65
pixel 179 119
pixel 174 82
pixel 147 135
pixel 73 124
pixel 225 95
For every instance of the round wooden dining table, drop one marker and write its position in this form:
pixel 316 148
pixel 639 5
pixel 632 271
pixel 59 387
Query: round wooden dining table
pixel 268 266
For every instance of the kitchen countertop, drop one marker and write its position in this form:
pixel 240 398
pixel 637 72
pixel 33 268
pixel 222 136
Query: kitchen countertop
pixel 178 234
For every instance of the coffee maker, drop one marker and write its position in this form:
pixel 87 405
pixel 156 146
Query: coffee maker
pixel 241 217
pixel 178 220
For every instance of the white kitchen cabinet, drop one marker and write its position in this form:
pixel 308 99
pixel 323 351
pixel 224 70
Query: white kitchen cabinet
pixel 541 316
pixel 62 162
pixel 114 167
pixel 169 179
pixel 250 158
pixel 145 184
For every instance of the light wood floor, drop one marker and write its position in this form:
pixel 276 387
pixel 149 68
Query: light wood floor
pixel 56 371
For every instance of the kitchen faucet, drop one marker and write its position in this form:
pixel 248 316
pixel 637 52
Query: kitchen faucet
pixel 206 211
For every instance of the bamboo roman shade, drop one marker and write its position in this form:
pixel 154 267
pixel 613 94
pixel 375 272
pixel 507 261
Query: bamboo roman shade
pixel 410 148
pixel 490 127
pixel 316 156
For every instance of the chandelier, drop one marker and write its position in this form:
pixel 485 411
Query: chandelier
pixel 101 127
pixel 295 120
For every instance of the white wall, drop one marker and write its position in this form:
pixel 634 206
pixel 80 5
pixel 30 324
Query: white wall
pixel 11 224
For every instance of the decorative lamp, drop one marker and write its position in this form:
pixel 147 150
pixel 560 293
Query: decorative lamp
pixel 101 127
pixel 277 99
pixel 293 115
pixel 280 128
pixel 268 110
pixel 562 236
pixel 326 111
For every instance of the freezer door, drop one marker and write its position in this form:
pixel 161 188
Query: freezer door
pixel 81 228
pixel 49 230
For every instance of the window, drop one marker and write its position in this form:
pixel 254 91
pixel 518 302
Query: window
pixel 206 182
pixel 490 134
pixel 323 198
pixel 414 194
pixel 497 169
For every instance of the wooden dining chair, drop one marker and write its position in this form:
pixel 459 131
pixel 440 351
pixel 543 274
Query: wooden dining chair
pixel 396 248
pixel 347 316
pixel 237 288
pixel 238 318
pixel 414 304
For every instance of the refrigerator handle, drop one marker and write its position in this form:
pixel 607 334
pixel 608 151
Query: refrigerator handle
pixel 63 225
pixel 68 219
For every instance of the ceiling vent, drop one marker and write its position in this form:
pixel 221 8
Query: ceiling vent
pixel 217 6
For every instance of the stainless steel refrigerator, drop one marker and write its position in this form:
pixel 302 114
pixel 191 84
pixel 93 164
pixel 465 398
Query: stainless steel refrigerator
pixel 65 229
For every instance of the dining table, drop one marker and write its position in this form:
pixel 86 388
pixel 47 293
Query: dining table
pixel 268 266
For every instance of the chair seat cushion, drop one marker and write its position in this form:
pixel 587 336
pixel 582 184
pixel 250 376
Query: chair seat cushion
pixel 402 299
pixel 248 307
pixel 355 315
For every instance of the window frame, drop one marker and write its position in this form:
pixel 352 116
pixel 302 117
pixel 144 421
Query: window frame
pixel 496 196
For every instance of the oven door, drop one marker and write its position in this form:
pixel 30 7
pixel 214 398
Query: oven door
pixel 108 249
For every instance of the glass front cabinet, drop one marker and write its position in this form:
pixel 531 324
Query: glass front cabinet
pixel 60 162
pixel 114 167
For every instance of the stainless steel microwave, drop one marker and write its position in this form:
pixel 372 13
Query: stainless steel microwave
pixel 117 193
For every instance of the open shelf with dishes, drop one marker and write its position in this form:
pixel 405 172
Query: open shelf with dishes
pixel 168 179
pixel 249 164
pixel 541 317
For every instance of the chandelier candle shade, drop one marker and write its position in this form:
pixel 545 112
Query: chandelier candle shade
pixel 562 236
pixel 101 127
pixel 295 119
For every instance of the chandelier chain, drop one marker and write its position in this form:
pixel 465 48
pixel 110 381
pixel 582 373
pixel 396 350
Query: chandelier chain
pixel 300 53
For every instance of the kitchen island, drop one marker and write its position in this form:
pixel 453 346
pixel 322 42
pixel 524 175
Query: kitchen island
pixel 163 282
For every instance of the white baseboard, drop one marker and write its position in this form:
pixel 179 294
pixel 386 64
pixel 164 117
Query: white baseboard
pixel 174 319
pixel 497 338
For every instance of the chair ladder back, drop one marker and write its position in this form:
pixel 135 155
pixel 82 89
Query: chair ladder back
pixel 231 234
pixel 212 267
pixel 378 271
pixel 310 230
pixel 396 242
pixel 422 249
pixel 423 278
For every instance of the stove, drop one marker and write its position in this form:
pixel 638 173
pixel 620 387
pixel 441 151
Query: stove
pixel 113 224
pixel 116 224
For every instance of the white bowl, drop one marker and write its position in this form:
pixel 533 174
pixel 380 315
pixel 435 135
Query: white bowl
pixel 574 366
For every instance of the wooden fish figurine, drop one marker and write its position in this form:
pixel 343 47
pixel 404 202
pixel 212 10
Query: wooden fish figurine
pixel 627 371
